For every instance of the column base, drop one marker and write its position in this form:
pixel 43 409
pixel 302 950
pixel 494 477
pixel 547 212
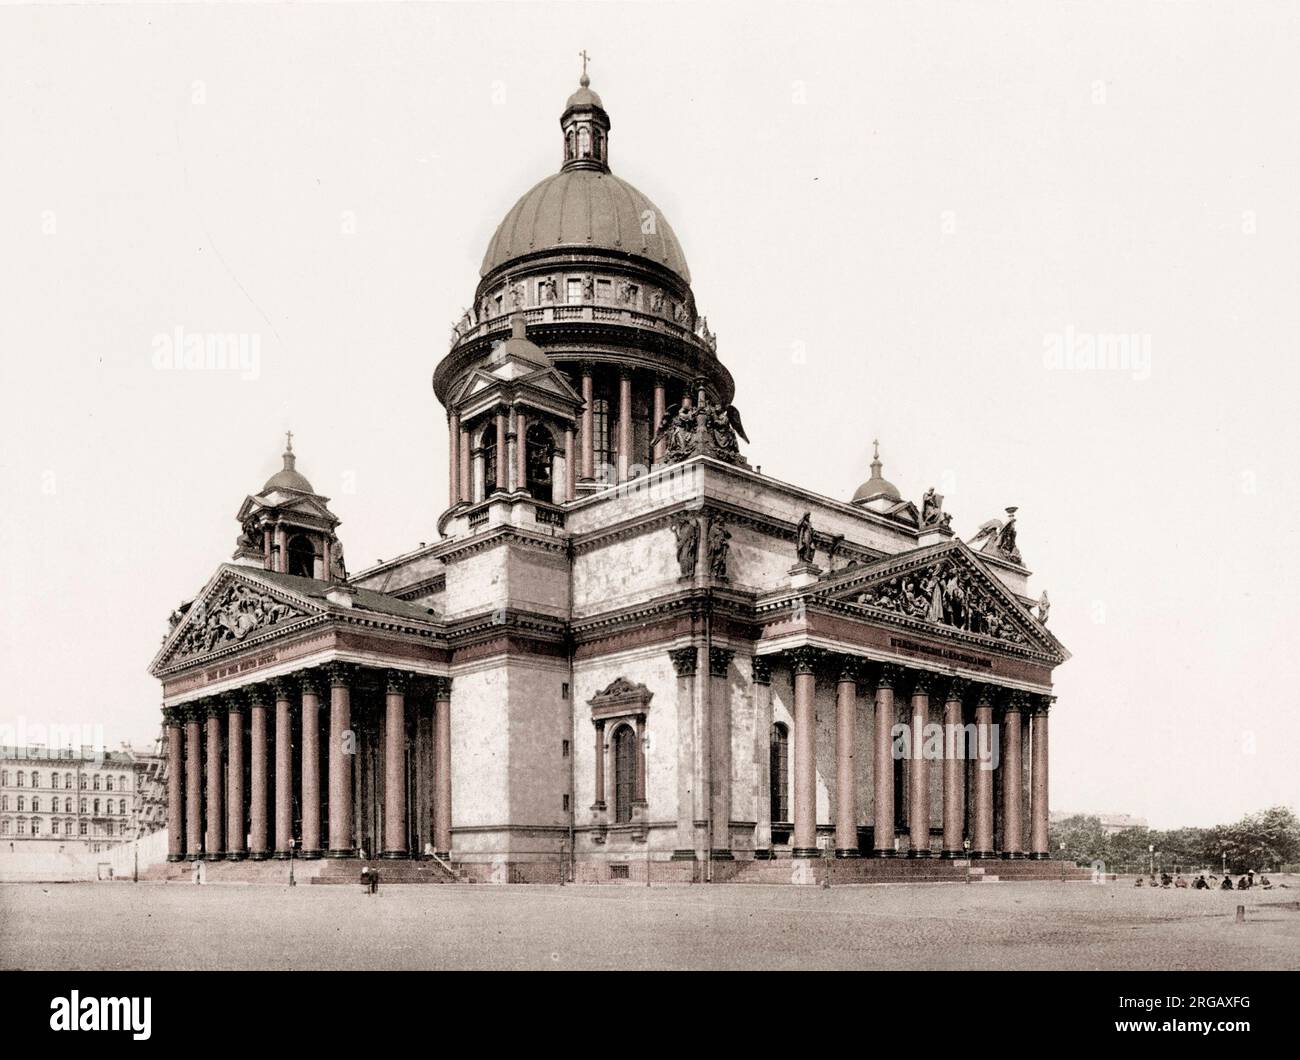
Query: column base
pixel 1039 856
pixel 444 854
pixel 887 852
pixel 806 852
pixel 344 852
pixel 194 856
pixel 952 855
pixel 394 855
pixel 851 852
pixel 764 854
pixel 1013 855
pixel 310 855
pixel 236 855
pixel 175 857
pixel 259 855
pixel 921 853
pixel 683 855
pixel 721 854
pixel 216 855
pixel 982 855
pixel 281 855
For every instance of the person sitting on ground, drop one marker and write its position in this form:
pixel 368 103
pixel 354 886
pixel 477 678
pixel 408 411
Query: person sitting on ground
pixel 1265 882
pixel 1137 882
pixel 1243 884
pixel 1180 882
pixel 1165 879
pixel 1226 885
pixel 1201 883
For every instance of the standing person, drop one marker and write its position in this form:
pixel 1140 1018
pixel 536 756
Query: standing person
pixel 374 881
pixel 365 880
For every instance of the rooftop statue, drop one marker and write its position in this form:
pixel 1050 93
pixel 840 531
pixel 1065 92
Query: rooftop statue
pixel 707 429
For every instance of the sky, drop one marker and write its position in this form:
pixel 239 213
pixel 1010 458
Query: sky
pixel 899 218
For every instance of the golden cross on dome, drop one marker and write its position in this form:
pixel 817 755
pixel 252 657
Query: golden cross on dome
pixel 288 441
pixel 585 57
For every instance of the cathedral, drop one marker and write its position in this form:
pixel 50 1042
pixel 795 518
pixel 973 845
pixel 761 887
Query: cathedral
pixel 628 655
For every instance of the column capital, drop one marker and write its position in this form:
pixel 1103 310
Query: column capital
pixel 213 707
pixel 599 723
pixel 259 694
pixel 957 689
pixel 283 687
pixel 1041 704
pixel 804 660
pixel 1015 702
pixel 310 682
pixel 720 661
pixel 922 682
pixel 889 676
pixel 849 669
pixel 235 701
pixel 985 695
pixel 442 689
pixel 396 682
pixel 686 661
pixel 340 674
pixel 173 715
pixel 761 668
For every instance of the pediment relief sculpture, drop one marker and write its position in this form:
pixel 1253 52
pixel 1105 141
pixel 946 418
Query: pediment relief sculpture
pixel 231 616
pixel 946 594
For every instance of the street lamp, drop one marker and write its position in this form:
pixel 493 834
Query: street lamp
pixel 292 881
pixel 1151 849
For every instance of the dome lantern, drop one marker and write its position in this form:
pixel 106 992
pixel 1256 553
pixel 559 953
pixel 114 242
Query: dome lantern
pixel 586 128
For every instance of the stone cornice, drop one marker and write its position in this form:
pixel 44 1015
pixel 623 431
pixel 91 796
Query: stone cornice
pixel 504 534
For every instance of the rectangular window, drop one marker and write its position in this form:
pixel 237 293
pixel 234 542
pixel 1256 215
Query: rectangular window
pixel 573 291
pixel 604 291
pixel 566 804
pixel 564 748
pixel 618 872
pixel 564 690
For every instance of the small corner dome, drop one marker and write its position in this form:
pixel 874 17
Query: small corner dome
pixel 288 478
pixel 877 486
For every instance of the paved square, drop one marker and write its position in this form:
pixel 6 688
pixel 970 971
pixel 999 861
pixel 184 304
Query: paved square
pixel 996 926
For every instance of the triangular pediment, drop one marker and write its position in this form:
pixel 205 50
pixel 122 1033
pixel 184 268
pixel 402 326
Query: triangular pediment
pixel 947 588
pixel 236 607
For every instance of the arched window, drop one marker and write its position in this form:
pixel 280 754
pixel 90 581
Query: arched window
pixel 121 805
pixel 67 805
pixel 22 778
pixel 4 802
pixel 81 828
pixel 108 783
pixel 4 777
pixel 539 454
pixel 36 779
pixel 302 556
pixel 54 826
pixel 83 780
pixel 584 142
pixel 22 804
pixel 96 806
pixel 4 826
pixel 489 444
pixel 95 783
pixel 36 803
pixel 624 773
pixel 600 430
pixel 121 783
pixel 67 780
pixel 36 826
pixel 779 762
pixel 83 805
pixel 568 145
pixel 22 825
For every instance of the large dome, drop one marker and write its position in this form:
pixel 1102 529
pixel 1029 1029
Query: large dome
pixel 585 208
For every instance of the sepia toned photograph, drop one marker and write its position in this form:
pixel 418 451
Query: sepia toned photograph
pixel 650 487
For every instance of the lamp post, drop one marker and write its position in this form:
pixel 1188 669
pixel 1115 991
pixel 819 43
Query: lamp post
pixel 1151 850
pixel 292 845
pixel 645 757
pixel 135 865
pixel 1225 861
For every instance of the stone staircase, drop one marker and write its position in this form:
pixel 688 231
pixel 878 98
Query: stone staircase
pixel 837 871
